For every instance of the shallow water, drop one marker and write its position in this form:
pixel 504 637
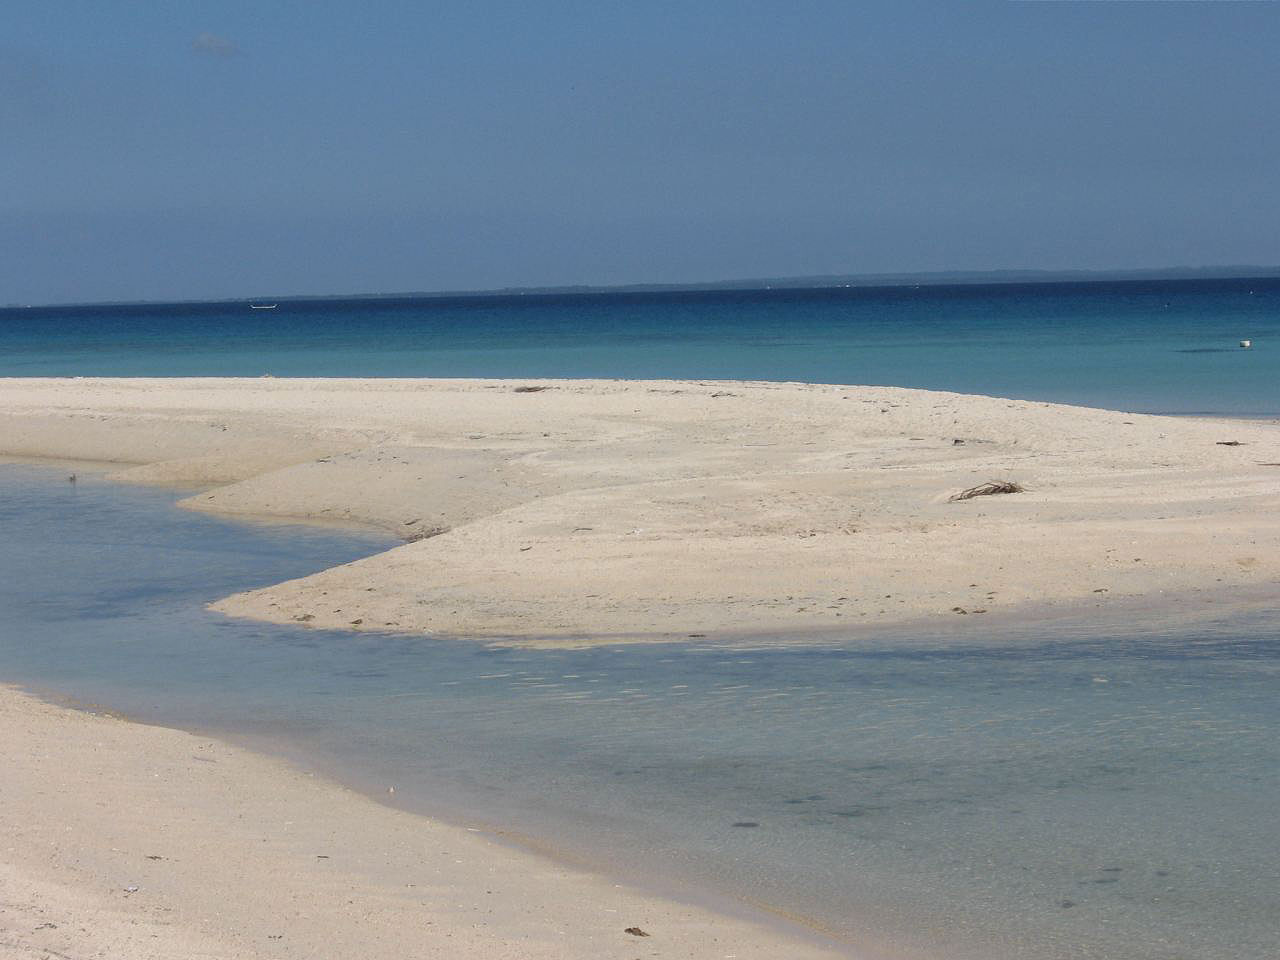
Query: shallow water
pixel 975 797
pixel 1146 346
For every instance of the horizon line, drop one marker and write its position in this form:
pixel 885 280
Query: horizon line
pixel 929 278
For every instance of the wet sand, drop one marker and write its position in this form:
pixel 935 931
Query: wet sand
pixel 125 840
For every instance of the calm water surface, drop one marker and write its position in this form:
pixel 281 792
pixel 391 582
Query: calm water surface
pixel 1169 346
pixel 1021 796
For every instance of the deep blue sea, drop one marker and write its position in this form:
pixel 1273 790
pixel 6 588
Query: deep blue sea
pixel 1100 793
pixel 1168 346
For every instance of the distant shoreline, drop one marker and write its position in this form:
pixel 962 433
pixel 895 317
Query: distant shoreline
pixel 824 282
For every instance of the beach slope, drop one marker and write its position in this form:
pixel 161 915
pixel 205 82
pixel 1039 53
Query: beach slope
pixel 123 840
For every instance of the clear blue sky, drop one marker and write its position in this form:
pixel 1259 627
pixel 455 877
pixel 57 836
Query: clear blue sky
pixel 198 149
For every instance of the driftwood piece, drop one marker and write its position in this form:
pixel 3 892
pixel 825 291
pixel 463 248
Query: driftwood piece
pixel 424 533
pixel 988 489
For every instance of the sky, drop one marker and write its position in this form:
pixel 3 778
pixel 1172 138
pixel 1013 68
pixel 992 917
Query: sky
pixel 192 150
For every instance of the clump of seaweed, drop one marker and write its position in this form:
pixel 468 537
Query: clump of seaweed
pixel 988 489
pixel 530 389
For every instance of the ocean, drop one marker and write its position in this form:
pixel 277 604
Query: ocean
pixel 1059 793
pixel 1167 346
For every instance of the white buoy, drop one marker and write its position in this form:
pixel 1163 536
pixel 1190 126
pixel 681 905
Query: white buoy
pixel 1246 344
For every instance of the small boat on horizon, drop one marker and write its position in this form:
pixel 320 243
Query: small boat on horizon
pixel 263 306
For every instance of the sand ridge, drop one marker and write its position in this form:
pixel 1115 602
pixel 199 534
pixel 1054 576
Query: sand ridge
pixel 589 510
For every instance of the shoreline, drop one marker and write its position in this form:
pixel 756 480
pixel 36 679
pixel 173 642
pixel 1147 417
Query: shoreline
pixel 584 512
pixel 1132 615
pixel 790 926
pixel 63 761
pixel 145 840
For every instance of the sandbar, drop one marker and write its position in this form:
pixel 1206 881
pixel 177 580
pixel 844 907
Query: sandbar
pixel 579 511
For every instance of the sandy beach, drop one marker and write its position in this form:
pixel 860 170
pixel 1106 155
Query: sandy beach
pixel 581 511
pixel 124 840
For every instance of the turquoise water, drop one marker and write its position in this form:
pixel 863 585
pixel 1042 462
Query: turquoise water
pixel 1167 346
pixel 1087 794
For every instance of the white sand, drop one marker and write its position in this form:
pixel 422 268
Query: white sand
pixel 602 509
pixel 236 856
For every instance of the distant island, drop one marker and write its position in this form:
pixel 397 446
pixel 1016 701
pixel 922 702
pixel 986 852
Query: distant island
pixel 924 279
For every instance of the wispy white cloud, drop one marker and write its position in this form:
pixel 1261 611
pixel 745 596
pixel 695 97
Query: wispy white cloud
pixel 214 45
